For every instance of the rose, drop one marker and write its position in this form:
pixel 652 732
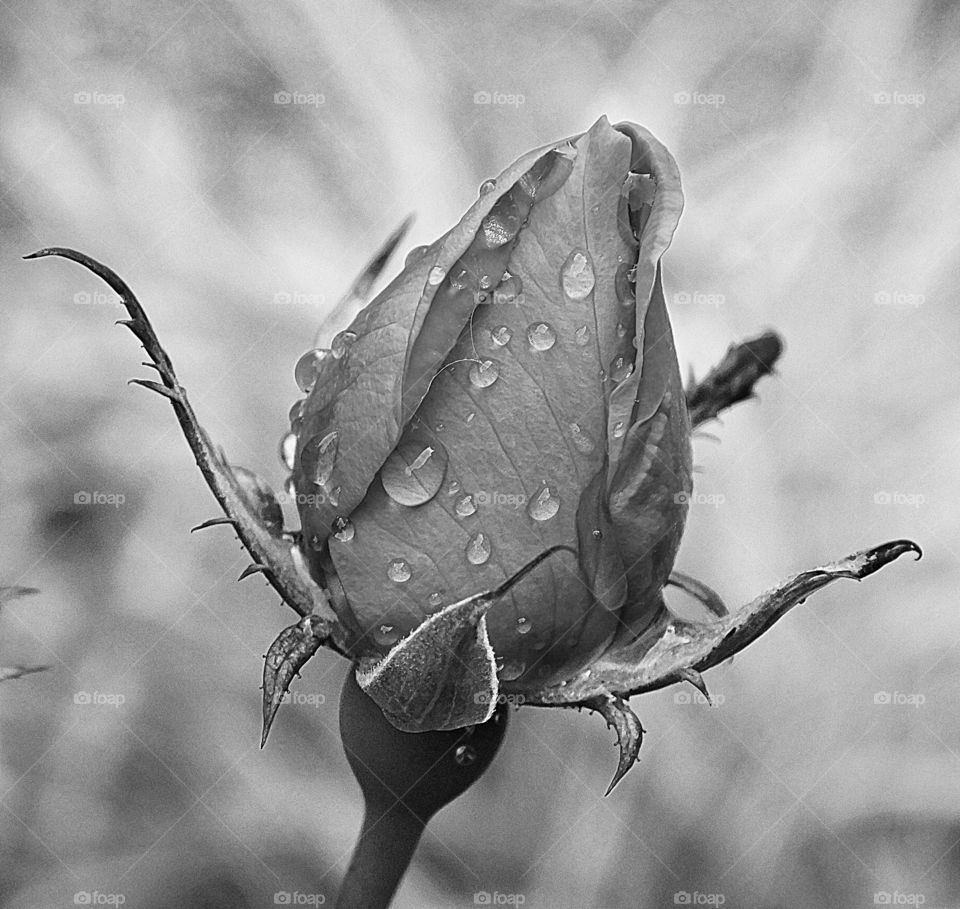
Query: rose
pixel 564 408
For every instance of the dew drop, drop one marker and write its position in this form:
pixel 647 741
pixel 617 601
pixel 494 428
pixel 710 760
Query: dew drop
pixel 414 472
pixel 487 186
pixel 464 755
pixel 288 450
pixel 296 413
pixel 478 549
pixel 342 343
pixel 436 275
pixel 413 255
pixel 512 669
pixel 576 275
pixel 333 497
pixel 458 281
pixel 501 224
pixel 582 336
pixel 317 457
pixel 316 542
pixel 541 336
pixel 399 571
pixel 545 504
pixel 483 375
pixel 523 626
pixel 343 529
pixel 465 507
pixel 581 440
pixel 597 534
pixel 626 291
pixel 501 335
pixel 470 416
pixel 386 635
pixel 453 488
pixel 619 429
pixel 508 291
pixel 308 368
pixel 620 369
pixel 290 487
pixel 435 599
pixel 486 282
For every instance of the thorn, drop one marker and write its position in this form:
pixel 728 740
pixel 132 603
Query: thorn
pixel 616 711
pixel 252 570
pixel 213 522
pixel 695 679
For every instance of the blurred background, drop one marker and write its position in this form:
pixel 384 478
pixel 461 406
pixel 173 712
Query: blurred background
pixel 237 167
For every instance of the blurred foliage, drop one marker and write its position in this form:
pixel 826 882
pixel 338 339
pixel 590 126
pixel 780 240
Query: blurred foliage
pixel 819 150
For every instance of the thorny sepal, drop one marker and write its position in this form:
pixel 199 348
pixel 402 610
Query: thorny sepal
pixel 286 657
pixel 285 572
pixel 443 675
pixel 672 650
pixel 616 711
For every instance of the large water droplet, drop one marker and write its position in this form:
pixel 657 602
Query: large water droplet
pixel 541 336
pixel 484 374
pixel 415 470
pixel 582 336
pixel 576 275
pixel 399 571
pixel 385 635
pixel 435 599
pixel 512 669
pixel 487 186
pixel 465 755
pixel 508 291
pixel 465 507
pixel 501 224
pixel 343 529
pixel 581 439
pixel 308 368
pixel 478 549
pixel 342 343
pixel 413 255
pixel 318 456
pixel 620 369
pixel 459 278
pixel 545 504
pixel 619 429
pixel 436 275
pixel 523 626
pixel 501 335
pixel 288 450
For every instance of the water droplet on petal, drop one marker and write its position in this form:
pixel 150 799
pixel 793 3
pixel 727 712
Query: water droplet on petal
pixel 470 416
pixel 459 279
pixel 333 497
pixel 453 488
pixel 545 504
pixel 621 330
pixel 308 368
pixel 582 336
pixel 484 374
pixel 478 549
pixel 576 275
pixel 486 282
pixel 414 472
pixel 512 669
pixel 465 507
pixel 487 186
pixel 626 292
pixel 581 440
pixel 343 529
pixel 435 599
pixel 317 457
pixel 501 335
pixel 290 487
pixel 436 275
pixel 541 336
pixel 598 534
pixel 288 450
pixel 296 412
pixel 414 254
pixel 342 343
pixel 386 635
pixel 501 224
pixel 523 626
pixel 399 571
pixel 508 291
pixel 464 755
pixel 619 429
pixel 621 369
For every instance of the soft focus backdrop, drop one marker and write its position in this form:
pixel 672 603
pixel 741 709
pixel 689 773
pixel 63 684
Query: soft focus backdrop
pixel 237 163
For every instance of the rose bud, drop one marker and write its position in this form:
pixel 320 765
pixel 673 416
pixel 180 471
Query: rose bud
pixel 492 463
